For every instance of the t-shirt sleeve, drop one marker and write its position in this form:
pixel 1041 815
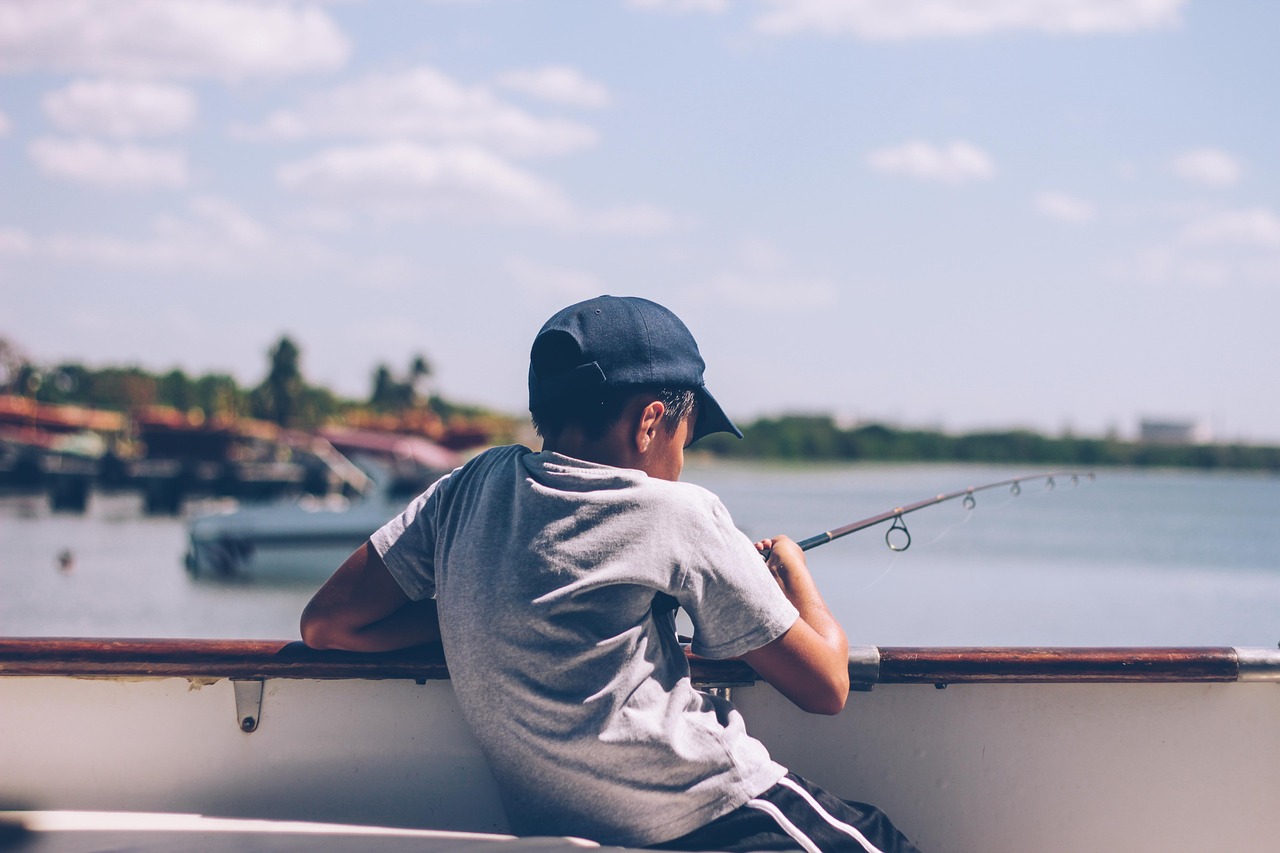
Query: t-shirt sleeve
pixel 728 592
pixel 407 544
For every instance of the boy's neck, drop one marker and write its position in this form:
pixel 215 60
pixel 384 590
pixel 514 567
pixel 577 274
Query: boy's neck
pixel 606 450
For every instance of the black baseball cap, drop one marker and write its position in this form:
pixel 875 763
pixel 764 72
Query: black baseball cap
pixel 615 342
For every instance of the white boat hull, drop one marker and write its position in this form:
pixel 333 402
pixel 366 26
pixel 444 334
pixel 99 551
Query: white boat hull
pixel 286 542
pixel 974 768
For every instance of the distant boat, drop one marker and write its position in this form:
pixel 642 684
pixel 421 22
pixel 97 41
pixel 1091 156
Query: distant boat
pixel 306 538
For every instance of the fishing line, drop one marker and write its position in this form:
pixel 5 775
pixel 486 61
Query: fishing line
pixel 895 557
pixel 898 535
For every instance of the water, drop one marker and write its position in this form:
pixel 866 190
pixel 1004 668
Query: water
pixel 1135 558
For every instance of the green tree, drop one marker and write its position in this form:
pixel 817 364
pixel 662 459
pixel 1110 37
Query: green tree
pixel 175 389
pixel 218 395
pixel 393 394
pixel 279 396
pixel 420 373
pixel 12 362
pixel 384 385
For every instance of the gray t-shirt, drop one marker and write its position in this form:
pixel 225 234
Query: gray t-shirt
pixel 556 581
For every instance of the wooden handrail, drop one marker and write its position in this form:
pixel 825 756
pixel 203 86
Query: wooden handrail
pixel 184 658
pixel 907 665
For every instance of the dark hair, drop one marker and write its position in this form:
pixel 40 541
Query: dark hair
pixel 594 414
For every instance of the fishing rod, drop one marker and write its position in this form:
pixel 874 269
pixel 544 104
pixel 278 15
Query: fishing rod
pixel 896 514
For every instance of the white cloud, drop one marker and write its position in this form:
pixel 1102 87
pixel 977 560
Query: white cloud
pixel 407 179
pixel 1064 207
pixel 911 19
pixel 214 219
pixel 121 108
pixel 955 163
pixel 767 292
pixel 680 7
pixel 214 38
pixel 1210 167
pixel 558 84
pixel 5 124
pixel 100 250
pixel 758 279
pixel 110 166
pixel 14 241
pixel 212 234
pixel 1194 267
pixel 636 220
pixel 1258 227
pixel 1265 272
pixel 544 280
pixel 423 104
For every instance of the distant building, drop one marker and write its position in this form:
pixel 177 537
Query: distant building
pixel 1152 431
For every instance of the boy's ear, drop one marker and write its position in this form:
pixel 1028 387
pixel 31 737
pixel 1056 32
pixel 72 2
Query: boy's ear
pixel 647 424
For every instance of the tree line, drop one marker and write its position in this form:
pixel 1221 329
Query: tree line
pixel 819 437
pixel 284 396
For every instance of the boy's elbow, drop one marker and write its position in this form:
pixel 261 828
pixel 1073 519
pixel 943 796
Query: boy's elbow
pixel 317 632
pixel 830 700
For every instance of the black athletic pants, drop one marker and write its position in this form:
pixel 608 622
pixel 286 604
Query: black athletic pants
pixel 797 815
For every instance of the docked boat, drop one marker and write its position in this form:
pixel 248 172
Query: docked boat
pixel 306 537
pixel 971 750
pixel 301 539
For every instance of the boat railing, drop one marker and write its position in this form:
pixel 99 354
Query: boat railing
pixel 868 665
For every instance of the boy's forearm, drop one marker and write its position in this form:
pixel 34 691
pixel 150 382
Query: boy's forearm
pixel 361 608
pixel 799 588
pixel 413 624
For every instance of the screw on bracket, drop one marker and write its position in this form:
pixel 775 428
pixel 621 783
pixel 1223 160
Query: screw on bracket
pixel 248 703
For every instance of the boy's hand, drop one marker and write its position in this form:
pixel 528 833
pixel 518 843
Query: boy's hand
pixel 783 557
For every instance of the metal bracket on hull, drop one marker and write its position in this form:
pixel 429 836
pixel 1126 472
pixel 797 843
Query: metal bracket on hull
pixel 864 667
pixel 1258 664
pixel 248 703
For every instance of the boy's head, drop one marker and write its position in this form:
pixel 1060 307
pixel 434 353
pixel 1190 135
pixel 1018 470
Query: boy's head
pixel 591 359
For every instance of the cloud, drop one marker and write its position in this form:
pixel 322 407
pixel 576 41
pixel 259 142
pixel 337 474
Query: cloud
pixel 886 20
pixel 109 166
pixel 154 254
pixel 765 292
pixel 680 7
pixel 636 220
pixel 216 219
pixel 1257 227
pixel 423 104
pixel 14 241
pixel 558 84
pixel 1061 206
pixel 5 124
pixel 408 179
pixel 121 108
pixel 1209 167
pixel 758 279
pixel 547 281
pixel 955 163
pixel 210 234
pixel 188 38
pixel 1194 267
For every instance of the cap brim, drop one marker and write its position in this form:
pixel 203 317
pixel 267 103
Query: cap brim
pixel 711 418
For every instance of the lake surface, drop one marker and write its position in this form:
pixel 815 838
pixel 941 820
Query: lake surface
pixel 1133 558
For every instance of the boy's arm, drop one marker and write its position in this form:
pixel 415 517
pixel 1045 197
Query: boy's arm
pixel 809 664
pixel 361 608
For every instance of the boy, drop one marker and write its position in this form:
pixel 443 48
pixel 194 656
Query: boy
pixel 552 578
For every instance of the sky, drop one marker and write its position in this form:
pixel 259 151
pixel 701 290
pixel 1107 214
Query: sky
pixel 1061 215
